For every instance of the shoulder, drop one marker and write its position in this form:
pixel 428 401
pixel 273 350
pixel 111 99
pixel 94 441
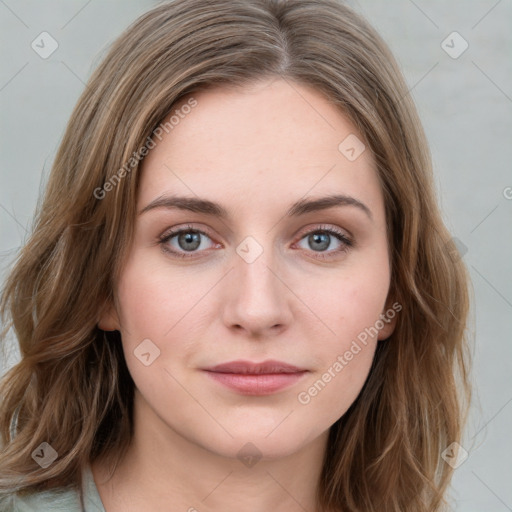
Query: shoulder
pixel 64 499
pixel 58 500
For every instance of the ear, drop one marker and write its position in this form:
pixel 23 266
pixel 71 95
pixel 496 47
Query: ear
pixel 109 319
pixel 389 318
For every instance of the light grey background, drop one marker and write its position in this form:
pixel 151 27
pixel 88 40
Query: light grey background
pixel 465 104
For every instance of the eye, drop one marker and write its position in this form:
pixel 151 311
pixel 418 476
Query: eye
pixel 321 238
pixel 185 240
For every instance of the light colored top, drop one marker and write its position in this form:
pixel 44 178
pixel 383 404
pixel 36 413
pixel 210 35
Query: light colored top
pixel 57 500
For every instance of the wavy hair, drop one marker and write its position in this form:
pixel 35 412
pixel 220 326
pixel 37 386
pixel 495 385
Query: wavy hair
pixel 72 387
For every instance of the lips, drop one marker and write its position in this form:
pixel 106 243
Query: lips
pixel 248 378
pixel 247 367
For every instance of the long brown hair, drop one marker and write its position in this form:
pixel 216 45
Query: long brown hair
pixel 72 388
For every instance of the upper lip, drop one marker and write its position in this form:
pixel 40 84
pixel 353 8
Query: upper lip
pixel 248 367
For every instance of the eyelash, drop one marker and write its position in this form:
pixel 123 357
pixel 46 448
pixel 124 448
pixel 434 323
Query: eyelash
pixel 346 241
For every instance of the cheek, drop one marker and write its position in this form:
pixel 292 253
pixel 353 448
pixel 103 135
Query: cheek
pixel 150 310
pixel 151 299
pixel 328 395
pixel 346 355
pixel 139 293
pixel 350 302
pixel 163 306
pixel 350 306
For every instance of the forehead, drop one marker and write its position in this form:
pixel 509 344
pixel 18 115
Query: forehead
pixel 274 141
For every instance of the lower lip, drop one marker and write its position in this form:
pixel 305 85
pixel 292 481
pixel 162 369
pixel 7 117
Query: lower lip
pixel 261 384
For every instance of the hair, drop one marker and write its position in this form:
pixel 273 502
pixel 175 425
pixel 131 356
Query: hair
pixel 72 387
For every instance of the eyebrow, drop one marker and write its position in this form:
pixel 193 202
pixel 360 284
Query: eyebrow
pixel 301 207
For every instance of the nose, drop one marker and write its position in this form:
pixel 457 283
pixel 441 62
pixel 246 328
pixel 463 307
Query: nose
pixel 257 297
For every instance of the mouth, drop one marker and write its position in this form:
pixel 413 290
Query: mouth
pixel 250 378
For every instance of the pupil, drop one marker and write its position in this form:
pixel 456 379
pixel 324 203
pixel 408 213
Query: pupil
pixel 322 238
pixel 189 238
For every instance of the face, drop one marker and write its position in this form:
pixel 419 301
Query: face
pixel 304 285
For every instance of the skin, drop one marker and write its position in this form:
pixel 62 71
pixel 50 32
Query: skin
pixel 255 151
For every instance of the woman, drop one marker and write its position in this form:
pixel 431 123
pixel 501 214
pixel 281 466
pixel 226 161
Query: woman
pixel 239 289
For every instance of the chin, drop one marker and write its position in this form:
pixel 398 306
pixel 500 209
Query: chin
pixel 257 443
